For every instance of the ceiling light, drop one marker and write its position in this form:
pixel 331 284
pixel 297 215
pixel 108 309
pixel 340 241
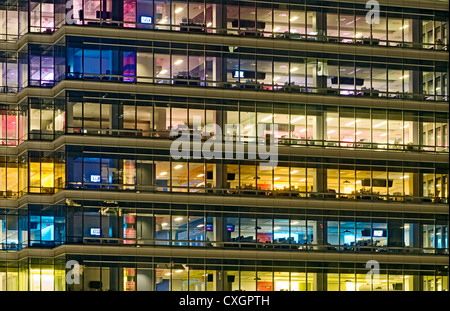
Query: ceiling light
pixel 331 132
pixel 200 175
pixel 380 124
pixel 266 118
pixel 294 69
pixel 178 10
pixel 276 178
pixel 293 19
pixel 294 172
pixel 162 72
pixel 178 166
pixel 178 62
pixel 209 24
pixel 353 122
pixel 163 174
pixel 297 119
pixel 178 219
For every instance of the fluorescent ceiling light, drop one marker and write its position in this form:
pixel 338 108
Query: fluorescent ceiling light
pixel 200 175
pixel 162 72
pixel 163 174
pixel 178 10
pixel 297 119
pixel 178 62
pixel 178 166
pixel 293 19
pixel 178 219
pixel 294 69
pixel 380 124
pixel 294 172
pixel 267 118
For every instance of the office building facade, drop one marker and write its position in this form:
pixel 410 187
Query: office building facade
pixel 353 95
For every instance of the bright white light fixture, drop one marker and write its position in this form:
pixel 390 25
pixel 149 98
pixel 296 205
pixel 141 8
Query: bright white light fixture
pixel 162 72
pixel 294 172
pixel 178 219
pixel 178 62
pixel 267 118
pixel 163 174
pixel 380 124
pixel 178 166
pixel 178 10
pixel 294 69
pixel 297 119
pixel 293 19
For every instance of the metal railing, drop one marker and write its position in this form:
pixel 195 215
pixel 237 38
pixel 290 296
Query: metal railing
pixel 252 192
